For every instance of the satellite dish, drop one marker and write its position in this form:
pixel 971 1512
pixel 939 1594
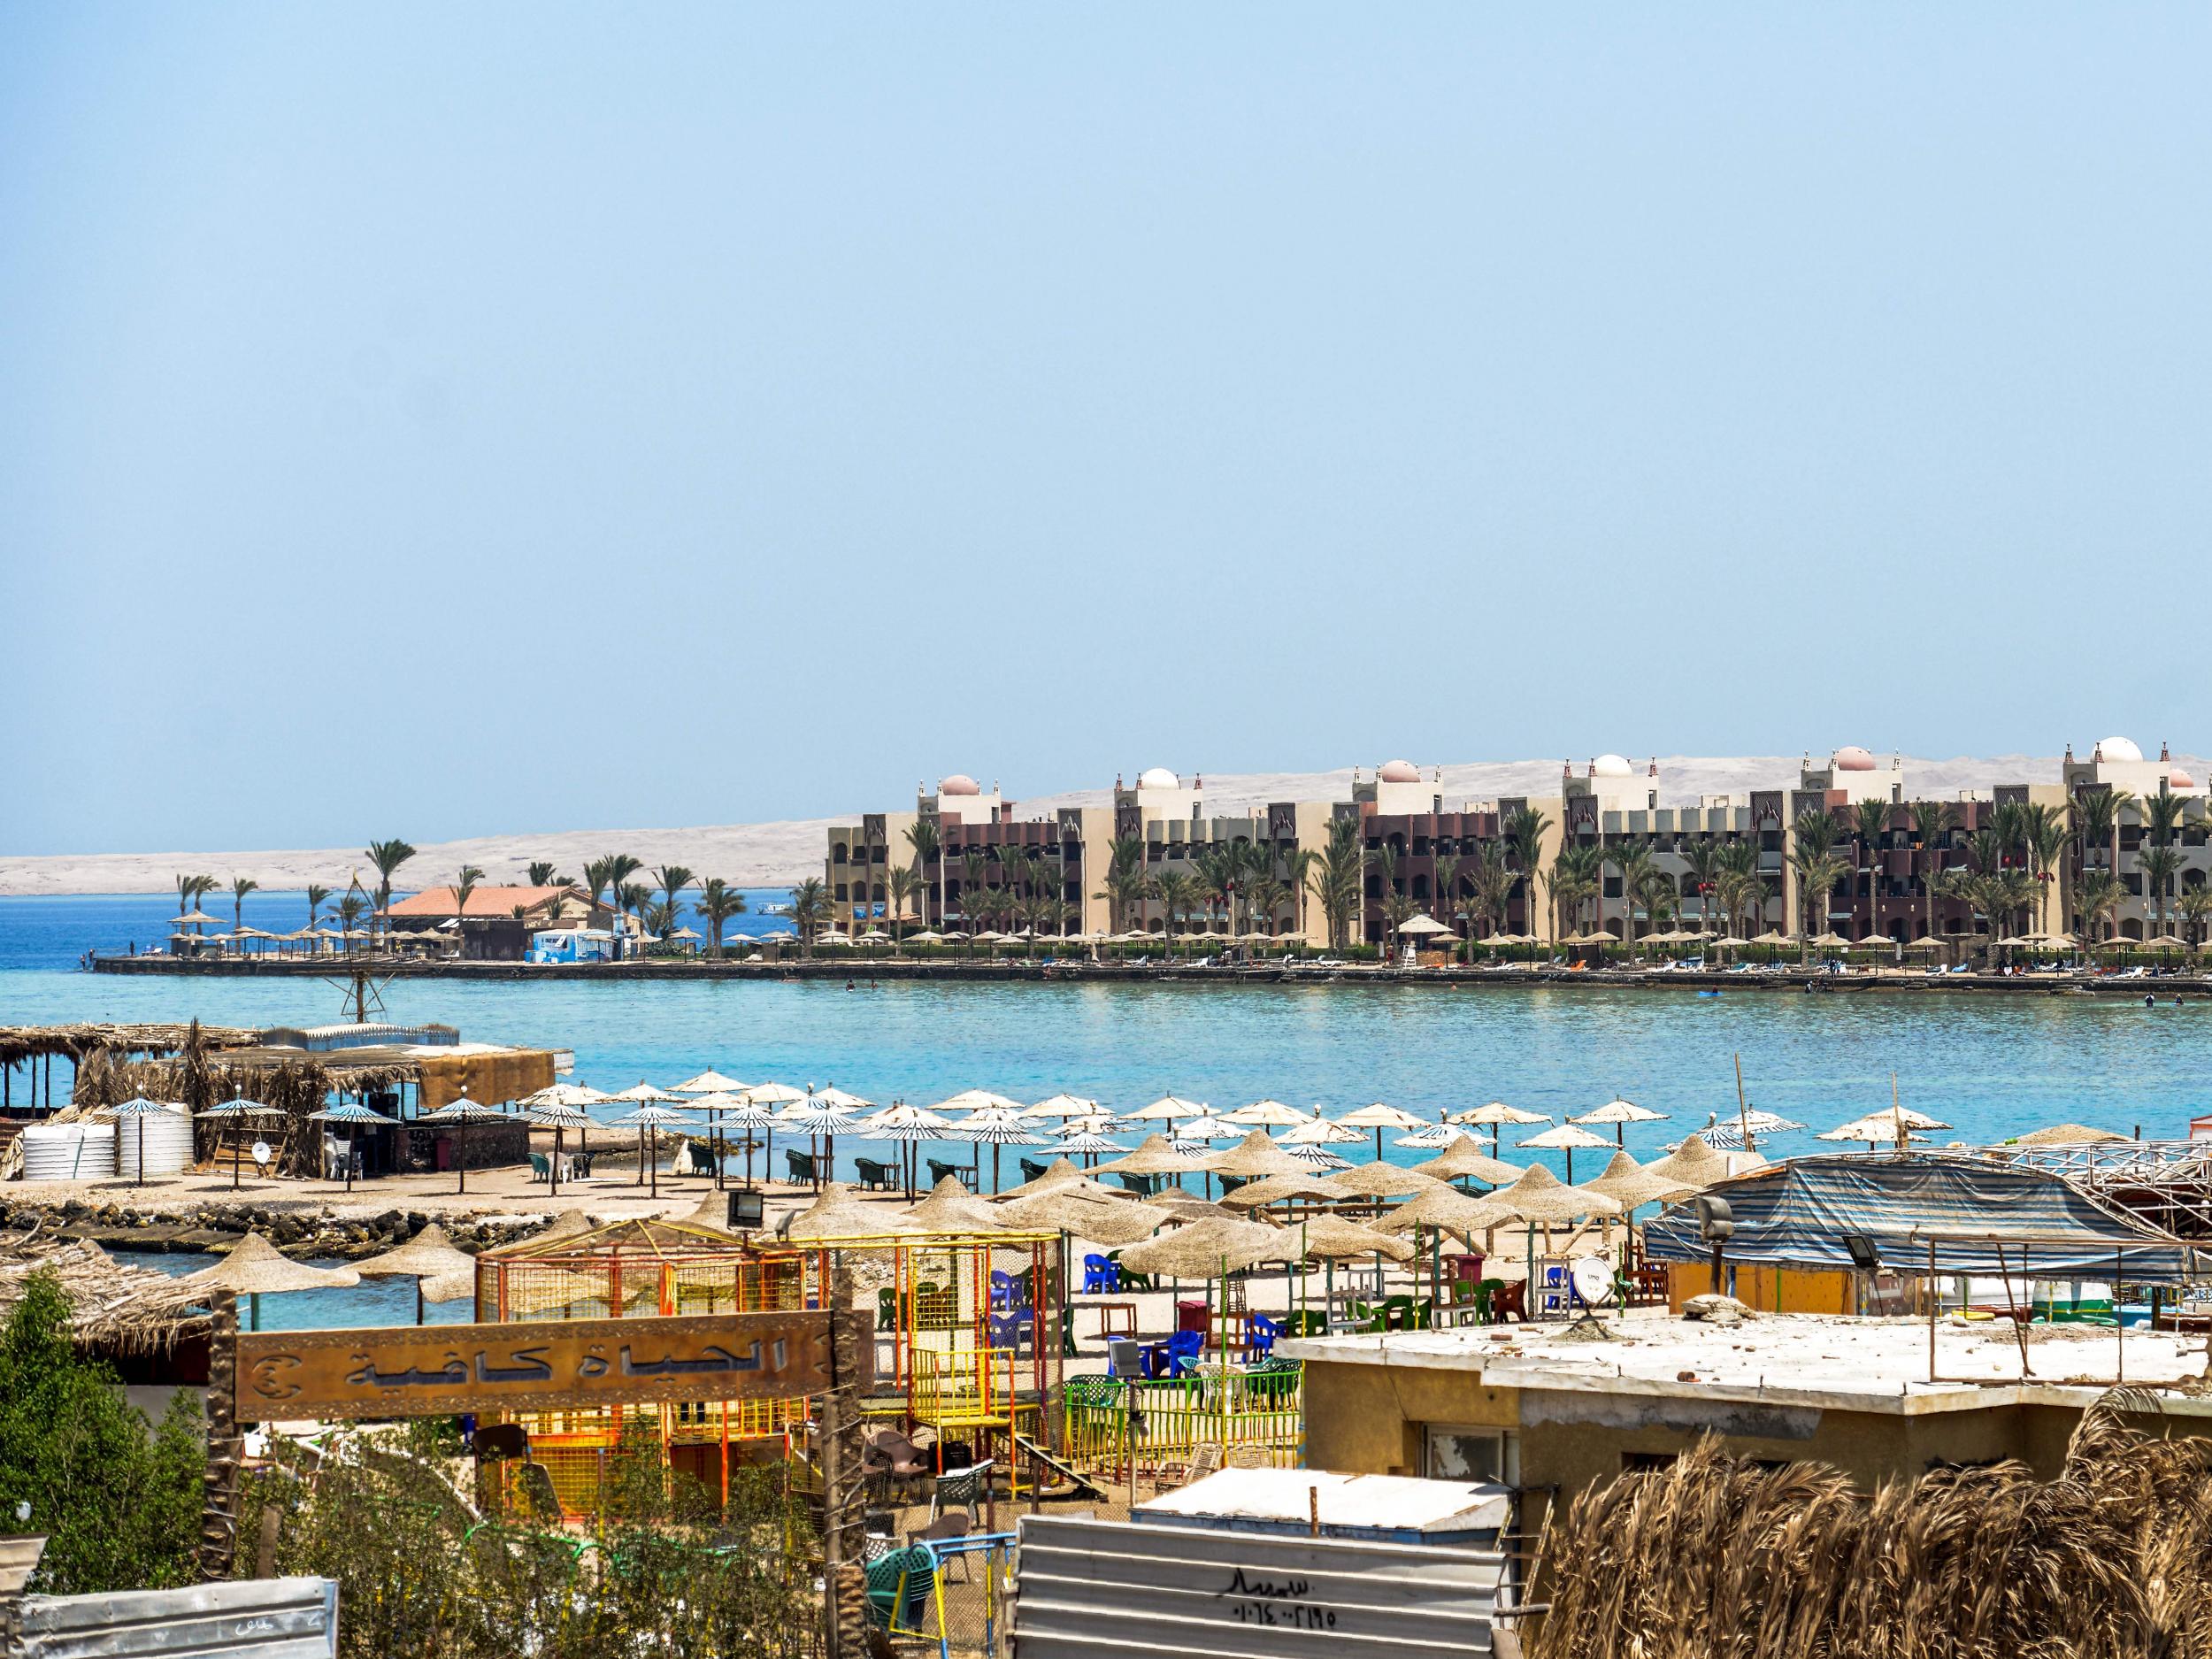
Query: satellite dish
pixel 1592 1277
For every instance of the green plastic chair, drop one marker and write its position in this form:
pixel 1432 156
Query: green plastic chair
pixel 899 1584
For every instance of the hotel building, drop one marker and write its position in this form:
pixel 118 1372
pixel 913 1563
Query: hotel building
pixel 1431 844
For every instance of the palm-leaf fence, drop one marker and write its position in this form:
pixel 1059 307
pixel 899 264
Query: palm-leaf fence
pixel 1716 1557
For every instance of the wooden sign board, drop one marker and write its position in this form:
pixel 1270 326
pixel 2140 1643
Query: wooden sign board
pixel 575 1364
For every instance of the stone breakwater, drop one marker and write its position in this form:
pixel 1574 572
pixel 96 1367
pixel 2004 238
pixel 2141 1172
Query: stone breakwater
pixel 217 1227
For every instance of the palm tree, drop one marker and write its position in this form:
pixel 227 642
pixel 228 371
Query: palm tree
pixel 1174 890
pixel 2158 865
pixel 2047 839
pixel 316 896
pixel 1337 880
pixel 1639 871
pixel 974 901
pixel 1704 858
pixel 350 909
pixel 1931 822
pixel 671 879
pixel 2195 906
pixel 1525 828
pixel 1573 879
pixel 2096 898
pixel 1870 823
pixel 542 872
pixel 190 891
pixel 464 885
pixel 924 839
pixel 1817 870
pixel 1216 867
pixel 1264 897
pixel 1124 879
pixel 387 857
pixel 241 885
pixel 902 883
pixel 1445 893
pixel 1397 909
pixel 1742 888
pixel 718 903
pixel 809 908
pixel 1299 865
pixel 609 874
pixel 630 898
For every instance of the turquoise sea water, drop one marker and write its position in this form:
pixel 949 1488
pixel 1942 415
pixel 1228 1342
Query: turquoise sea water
pixel 1992 1065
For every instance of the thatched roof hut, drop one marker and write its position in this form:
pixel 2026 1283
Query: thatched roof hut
pixel 1445 1209
pixel 113 1307
pixel 1630 1184
pixel 428 1255
pixel 1694 1164
pixel 1152 1157
pixel 1464 1160
pixel 1541 1198
pixel 2066 1135
pixel 1059 1173
pixel 255 1267
pixel 840 1214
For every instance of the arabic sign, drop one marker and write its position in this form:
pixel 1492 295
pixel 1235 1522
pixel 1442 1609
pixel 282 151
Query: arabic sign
pixel 435 1371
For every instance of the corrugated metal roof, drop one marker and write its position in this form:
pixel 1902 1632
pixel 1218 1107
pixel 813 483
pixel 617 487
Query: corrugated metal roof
pixel 261 1618
pixel 1400 1503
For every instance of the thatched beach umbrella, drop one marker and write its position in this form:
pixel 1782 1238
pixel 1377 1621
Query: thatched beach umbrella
pixel 446 1288
pixel 1494 1115
pixel 1327 1237
pixel 462 1113
pixel 1541 1198
pixel 838 1214
pixel 952 1207
pixel 139 1108
pixel 1206 1250
pixel 1059 1173
pixel 1152 1157
pixel 353 1115
pixel 1379 1180
pixel 256 1268
pixel 428 1255
pixel 1464 1160
pixel 1254 1156
pixel 2065 1135
pixel 1693 1166
pixel 1380 1116
pixel 1084 1215
pixel 1568 1137
pixel 1630 1185
pixel 1446 1208
pixel 648 1121
pixel 1277 1189
pixel 232 1114
pixel 1618 1113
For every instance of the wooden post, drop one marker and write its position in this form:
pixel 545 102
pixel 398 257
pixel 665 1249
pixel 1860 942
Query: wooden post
pixel 219 1515
pixel 843 1515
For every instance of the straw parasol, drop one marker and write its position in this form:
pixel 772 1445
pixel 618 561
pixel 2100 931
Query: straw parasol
pixel 1495 1115
pixel 1277 1189
pixel 1693 1166
pixel 233 1112
pixel 997 1127
pixel 1060 1173
pixel 1205 1249
pixel 1630 1185
pixel 1267 1113
pixel 2065 1135
pixel 446 1286
pixel 1569 1137
pixel 838 1215
pixel 1327 1237
pixel 353 1115
pixel 1617 1112
pixel 650 1120
pixel 1169 1107
pixel 1084 1215
pixel 428 1255
pixel 1154 1156
pixel 1445 1209
pixel 256 1268
pixel 952 1207
pixel 1380 1116
pixel 1464 1161
pixel 1541 1197
pixel 1254 1155
pixel 141 1109
pixel 462 1112
pixel 1379 1179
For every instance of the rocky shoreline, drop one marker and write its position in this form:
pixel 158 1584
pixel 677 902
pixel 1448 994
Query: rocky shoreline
pixel 217 1228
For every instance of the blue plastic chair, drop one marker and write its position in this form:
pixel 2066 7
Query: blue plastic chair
pixel 1098 1274
pixel 1002 1289
pixel 1182 1352
pixel 1260 1333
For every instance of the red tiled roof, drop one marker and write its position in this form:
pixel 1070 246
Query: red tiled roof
pixel 488 902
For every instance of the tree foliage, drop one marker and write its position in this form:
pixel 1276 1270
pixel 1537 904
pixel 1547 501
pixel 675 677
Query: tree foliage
pixel 118 1498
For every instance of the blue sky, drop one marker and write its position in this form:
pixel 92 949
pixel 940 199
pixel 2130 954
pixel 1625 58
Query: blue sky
pixel 446 420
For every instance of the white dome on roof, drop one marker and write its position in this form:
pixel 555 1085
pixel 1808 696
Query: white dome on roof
pixel 1851 757
pixel 1611 767
pixel 2118 748
pixel 1158 777
pixel 959 783
pixel 1398 772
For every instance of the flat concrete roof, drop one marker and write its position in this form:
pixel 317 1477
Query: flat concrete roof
pixel 1823 1361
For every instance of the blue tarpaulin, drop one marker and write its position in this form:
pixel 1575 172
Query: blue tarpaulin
pixel 1984 1218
